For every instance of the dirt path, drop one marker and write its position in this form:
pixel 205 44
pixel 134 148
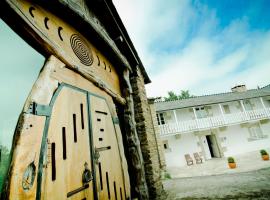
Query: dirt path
pixel 246 185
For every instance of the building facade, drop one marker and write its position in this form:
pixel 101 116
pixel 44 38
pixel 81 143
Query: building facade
pixel 78 135
pixel 214 126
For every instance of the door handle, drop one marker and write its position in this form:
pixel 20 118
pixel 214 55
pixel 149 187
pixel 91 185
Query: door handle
pixel 87 174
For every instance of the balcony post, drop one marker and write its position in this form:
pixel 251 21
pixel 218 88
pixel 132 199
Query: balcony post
pixel 222 113
pixel 262 103
pixel 264 107
pixel 175 116
pixel 243 107
pixel 196 118
pixel 176 120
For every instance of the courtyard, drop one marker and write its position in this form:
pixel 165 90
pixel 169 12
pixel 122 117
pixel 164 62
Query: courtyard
pixel 246 162
pixel 213 179
pixel 244 185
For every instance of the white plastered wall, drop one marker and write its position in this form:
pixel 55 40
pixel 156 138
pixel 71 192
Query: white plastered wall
pixel 236 140
pixel 178 147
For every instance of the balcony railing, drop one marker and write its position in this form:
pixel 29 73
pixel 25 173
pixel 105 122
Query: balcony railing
pixel 213 122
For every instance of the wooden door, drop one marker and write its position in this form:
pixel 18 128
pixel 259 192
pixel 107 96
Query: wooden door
pixel 69 174
pixel 110 174
pixel 83 158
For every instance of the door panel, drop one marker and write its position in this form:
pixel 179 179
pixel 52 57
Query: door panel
pixel 73 147
pixel 110 178
pixel 206 148
pixel 68 151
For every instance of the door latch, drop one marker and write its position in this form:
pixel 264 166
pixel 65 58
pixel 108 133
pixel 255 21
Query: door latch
pixel 87 174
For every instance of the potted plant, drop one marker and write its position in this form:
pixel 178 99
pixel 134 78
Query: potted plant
pixel 231 162
pixel 264 154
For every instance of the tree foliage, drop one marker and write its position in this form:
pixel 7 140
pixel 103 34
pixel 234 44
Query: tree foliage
pixel 184 94
pixel 4 163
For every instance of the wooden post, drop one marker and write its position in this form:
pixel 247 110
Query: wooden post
pixel 133 142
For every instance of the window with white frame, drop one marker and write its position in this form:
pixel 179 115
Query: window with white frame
pixel 160 118
pixel 201 112
pixel 255 132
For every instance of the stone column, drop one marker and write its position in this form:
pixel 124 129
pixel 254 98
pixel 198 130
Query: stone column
pixel 156 129
pixel 147 137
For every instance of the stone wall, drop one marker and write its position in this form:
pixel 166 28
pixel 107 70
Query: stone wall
pixel 147 137
pixel 162 161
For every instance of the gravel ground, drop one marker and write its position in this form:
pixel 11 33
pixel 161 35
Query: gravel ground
pixel 246 185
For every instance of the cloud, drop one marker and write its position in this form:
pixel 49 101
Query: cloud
pixel 184 47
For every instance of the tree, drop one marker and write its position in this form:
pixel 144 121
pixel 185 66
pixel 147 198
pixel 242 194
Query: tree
pixel 4 164
pixel 172 96
pixel 183 95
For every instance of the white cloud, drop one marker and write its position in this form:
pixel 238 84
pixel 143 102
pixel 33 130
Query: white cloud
pixel 183 47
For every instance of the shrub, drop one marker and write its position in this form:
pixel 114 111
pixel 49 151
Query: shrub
pixel 231 160
pixel 167 175
pixel 263 152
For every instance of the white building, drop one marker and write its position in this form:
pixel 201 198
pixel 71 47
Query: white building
pixel 216 125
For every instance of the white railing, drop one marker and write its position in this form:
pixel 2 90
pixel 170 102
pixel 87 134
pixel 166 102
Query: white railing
pixel 213 122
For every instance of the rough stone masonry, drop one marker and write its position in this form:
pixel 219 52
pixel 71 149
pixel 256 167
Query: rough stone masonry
pixel 150 144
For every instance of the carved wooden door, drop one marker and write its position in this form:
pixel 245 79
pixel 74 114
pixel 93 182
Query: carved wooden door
pixel 68 173
pixel 110 173
pixel 82 157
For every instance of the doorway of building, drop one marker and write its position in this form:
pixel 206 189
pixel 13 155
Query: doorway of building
pixel 213 146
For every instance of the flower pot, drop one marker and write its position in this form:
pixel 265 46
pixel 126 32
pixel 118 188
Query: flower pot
pixel 265 157
pixel 232 165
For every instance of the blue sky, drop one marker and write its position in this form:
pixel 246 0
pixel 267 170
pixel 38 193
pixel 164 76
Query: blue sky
pixel 205 46
pixel 19 65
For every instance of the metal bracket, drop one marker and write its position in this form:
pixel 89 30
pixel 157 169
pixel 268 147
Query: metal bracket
pixel 115 120
pixel 40 110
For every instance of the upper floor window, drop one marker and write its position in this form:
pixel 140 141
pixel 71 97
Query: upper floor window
pixel 160 118
pixel 201 112
pixel 226 109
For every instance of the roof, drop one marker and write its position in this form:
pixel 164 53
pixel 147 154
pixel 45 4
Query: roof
pixel 99 21
pixel 212 99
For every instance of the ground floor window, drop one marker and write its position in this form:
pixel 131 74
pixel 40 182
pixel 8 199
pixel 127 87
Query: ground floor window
pixel 166 146
pixel 255 132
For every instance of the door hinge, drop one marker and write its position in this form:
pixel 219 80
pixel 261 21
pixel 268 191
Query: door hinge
pixel 40 110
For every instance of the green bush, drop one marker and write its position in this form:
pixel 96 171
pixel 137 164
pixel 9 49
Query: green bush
pixel 263 152
pixel 231 160
pixel 167 175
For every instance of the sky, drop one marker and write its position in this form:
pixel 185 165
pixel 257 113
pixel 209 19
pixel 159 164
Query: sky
pixel 204 46
pixel 19 65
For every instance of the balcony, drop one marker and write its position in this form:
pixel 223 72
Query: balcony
pixel 213 122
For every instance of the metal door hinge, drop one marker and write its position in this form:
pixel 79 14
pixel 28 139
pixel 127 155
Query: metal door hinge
pixel 40 110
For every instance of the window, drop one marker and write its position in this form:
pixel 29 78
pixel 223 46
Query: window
pixel 226 109
pixel 166 146
pixel 255 132
pixel 248 105
pixel 160 118
pixel 201 112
